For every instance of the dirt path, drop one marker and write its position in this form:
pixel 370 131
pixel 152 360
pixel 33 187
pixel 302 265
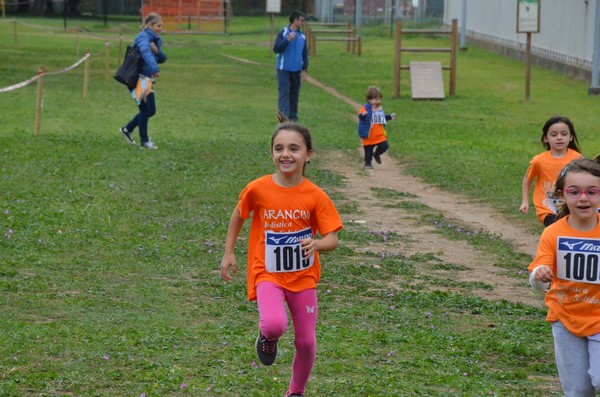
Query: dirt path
pixel 377 214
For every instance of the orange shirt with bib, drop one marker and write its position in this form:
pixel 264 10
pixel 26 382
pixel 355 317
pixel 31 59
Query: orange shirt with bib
pixel 281 217
pixel 546 168
pixel 574 257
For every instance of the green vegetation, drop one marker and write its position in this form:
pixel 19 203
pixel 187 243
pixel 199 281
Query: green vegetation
pixel 109 254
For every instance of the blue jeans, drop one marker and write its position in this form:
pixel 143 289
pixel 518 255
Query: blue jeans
pixel 147 109
pixel 289 92
pixel 379 149
pixel 578 362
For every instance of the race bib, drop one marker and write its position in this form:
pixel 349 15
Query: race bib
pixel 378 117
pixel 578 259
pixel 283 252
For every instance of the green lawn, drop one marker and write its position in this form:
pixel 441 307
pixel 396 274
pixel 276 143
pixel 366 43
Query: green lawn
pixel 109 254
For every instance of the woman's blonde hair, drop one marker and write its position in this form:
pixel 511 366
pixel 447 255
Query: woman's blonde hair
pixel 151 19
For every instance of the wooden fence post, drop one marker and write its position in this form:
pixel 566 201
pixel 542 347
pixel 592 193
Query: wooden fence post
pixel 397 63
pixel 39 102
pixel 106 62
pixel 453 45
pixel 119 57
pixel 77 43
pixel 86 74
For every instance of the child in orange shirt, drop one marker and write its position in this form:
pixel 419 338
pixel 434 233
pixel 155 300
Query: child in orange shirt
pixel 371 127
pixel 568 260
pixel 288 211
pixel 560 140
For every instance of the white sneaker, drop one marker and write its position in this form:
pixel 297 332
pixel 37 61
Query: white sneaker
pixel 149 145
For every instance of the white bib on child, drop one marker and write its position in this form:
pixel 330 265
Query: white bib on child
pixel 283 252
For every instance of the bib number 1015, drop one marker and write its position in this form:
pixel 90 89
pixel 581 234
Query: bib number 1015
pixel 288 258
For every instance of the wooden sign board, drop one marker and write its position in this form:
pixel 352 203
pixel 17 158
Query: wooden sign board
pixel 528 16
pixel 273 6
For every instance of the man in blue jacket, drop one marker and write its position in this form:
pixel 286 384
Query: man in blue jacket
pixel 292 63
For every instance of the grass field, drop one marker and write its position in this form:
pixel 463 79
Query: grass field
pixel 109 254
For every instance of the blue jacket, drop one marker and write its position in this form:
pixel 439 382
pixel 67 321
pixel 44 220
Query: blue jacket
pixel 364 122
pixel 151 60
pixel 292 56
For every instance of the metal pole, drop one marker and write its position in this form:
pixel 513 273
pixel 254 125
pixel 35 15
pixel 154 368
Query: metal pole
pixel 358 9
pixel 528 67
pixel 463 29
pixel 595 88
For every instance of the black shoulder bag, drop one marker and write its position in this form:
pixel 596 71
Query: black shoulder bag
pixel 130 69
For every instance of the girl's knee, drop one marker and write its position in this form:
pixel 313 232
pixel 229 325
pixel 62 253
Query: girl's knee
pixel 306 344
pixel 273 329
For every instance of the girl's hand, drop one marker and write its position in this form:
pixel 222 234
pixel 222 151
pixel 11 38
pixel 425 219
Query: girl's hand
pixel 524 208
pixel 227 262
pixel 309 247
pixel 393 115
pixel 364 113
pixel 154 48
pixel 544 273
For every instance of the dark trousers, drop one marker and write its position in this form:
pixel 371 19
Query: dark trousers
pixel 147 109
pixel 289 93
pixel 377 150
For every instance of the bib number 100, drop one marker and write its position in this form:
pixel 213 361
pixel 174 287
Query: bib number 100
pixel 581 267
pixel 290 258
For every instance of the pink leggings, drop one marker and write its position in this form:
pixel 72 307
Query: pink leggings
pixel 271 300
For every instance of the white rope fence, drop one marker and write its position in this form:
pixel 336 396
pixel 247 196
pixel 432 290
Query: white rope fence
pixel 40 79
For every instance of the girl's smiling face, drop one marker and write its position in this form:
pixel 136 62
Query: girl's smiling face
pixel 582 195
pixel 558 137
pixel 290 152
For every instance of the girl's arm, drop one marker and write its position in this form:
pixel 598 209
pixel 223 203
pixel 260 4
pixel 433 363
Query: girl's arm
pixel 525 189
pixel 328 242
pixel 233 231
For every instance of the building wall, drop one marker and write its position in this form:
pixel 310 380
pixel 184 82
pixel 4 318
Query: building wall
pixel 565 40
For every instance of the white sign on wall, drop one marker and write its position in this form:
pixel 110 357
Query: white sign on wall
pixel 274 6
pixel 528 16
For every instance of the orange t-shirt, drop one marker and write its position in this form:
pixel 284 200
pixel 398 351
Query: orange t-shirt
pixel 574 257
pixel 281 217
pixel 545 169
pixel 377 133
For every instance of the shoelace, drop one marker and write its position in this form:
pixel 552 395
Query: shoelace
pixel 268 347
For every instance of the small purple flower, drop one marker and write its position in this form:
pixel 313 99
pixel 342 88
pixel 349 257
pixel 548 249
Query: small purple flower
pixel 183 386
pixel 164 237
pixel 392 307
pixel 106 357
pixel 6 212
pixel 255 365
pixel 143 395
pixel 390 354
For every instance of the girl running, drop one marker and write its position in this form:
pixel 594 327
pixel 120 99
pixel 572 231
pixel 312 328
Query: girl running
pixel 560 140
pixel 568 258
pixel 283 251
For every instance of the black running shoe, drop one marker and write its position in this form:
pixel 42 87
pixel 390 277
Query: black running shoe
pixel 127 135
pixel 377 158
pixel 266 349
